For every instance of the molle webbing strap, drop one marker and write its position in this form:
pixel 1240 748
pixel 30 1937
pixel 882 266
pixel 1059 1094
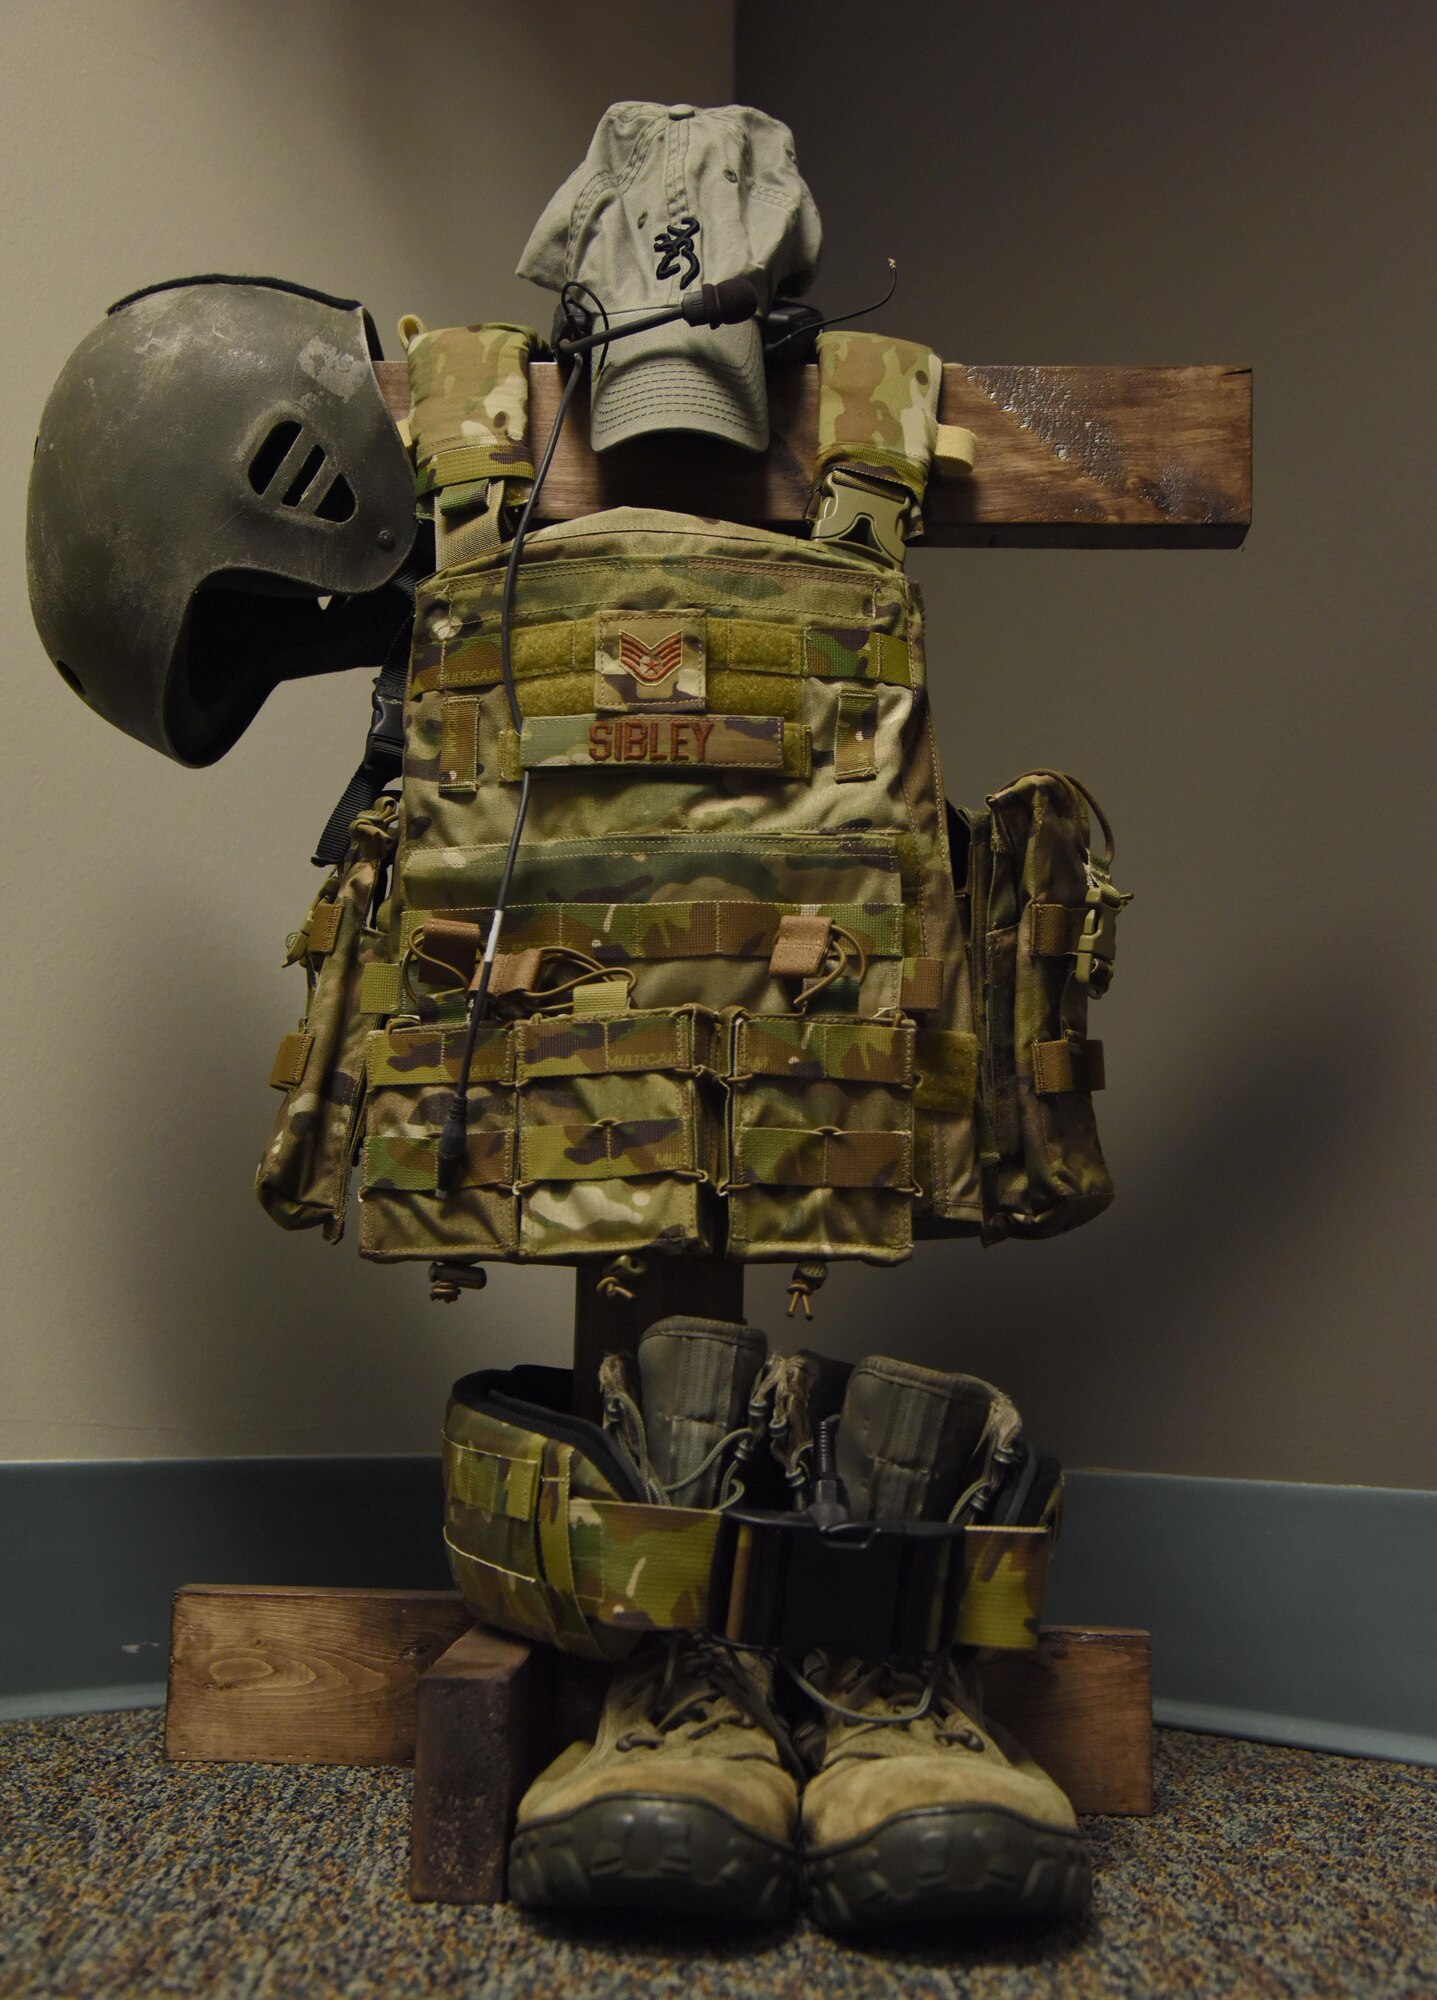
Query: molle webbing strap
pixel 616 932
pixel 1062 1066
pixel 737 647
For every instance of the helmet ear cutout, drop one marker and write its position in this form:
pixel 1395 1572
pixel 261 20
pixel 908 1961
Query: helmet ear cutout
pixel 219 501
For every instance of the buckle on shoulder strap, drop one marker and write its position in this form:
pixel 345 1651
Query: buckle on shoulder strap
pixel 864 514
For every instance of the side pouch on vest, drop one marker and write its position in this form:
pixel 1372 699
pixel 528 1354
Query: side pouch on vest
pixel 303 1178
pixel 1044 919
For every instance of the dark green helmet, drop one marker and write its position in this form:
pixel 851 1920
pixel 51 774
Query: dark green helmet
pixel 219 502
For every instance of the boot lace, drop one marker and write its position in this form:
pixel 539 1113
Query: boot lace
pixel 697 1686
pixel 889 1695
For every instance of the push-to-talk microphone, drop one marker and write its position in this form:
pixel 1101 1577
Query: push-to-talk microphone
pixel 727 303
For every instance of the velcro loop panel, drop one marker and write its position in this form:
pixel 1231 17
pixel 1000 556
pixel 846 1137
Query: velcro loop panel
pixel 738 651
pixel 777 1157
pixel 290 1060
pixel 1063 1066
pixel 947 1071
pixel 801 946
pixel 323 928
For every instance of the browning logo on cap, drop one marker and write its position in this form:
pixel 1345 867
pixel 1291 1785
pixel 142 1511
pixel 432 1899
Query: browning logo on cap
pixel 673 243
pixel 649 660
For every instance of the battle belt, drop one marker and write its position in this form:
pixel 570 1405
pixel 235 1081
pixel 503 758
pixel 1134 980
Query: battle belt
pixel 549 1538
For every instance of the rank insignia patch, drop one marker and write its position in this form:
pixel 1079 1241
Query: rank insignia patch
pixel 649 659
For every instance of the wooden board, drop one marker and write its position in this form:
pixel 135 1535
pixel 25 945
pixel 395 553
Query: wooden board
pixel 290 1676
pixel 1068 457
pixel 330 1676
pixel 1081 1704
pixel 484 1730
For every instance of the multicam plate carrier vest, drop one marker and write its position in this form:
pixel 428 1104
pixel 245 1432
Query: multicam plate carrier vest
pixel 758 992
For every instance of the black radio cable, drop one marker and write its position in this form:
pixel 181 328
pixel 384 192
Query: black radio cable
pixel 454 1136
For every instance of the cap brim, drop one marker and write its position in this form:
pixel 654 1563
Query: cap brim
pixel 683 378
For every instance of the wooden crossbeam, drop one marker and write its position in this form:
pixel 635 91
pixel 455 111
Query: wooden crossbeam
pixel 1068 457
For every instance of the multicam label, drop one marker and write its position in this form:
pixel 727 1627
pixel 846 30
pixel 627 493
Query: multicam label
pixel 649 660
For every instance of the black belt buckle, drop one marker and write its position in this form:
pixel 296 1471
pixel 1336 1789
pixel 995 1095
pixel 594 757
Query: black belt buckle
pixel 873 1590
pixel 384 745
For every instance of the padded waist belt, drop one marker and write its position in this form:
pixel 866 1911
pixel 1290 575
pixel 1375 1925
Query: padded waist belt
pixel 534 1555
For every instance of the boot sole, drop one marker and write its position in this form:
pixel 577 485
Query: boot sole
pixel 942 1864
pixel 635 1851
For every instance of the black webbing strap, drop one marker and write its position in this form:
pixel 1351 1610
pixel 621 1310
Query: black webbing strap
pixel 383 758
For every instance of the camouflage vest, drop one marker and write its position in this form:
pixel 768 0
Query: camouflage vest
pixel 759 993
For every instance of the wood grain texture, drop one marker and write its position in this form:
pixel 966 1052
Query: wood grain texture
pixel 708 1287
pixel 1082 1705
pixel 292 1676
pixel 1069 457
pixel 484 1724
pixel 367 1677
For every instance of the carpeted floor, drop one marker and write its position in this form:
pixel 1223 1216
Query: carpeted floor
pixel 1265 1872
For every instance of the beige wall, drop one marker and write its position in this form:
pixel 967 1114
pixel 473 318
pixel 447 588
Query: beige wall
pixel 1180 183
pixel 395 151
pixel 1229 183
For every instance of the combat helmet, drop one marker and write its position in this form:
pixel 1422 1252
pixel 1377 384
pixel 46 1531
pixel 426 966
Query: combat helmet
pixel 219 501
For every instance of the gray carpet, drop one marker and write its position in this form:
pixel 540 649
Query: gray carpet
pixel 1265 1872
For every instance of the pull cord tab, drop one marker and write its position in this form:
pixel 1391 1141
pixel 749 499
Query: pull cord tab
pixel 806 1280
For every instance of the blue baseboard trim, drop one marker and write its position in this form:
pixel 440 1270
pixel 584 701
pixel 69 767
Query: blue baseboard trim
pixel 1299 1731
pixel 81 1701
pixel 1271 1605
pixel 1292 1613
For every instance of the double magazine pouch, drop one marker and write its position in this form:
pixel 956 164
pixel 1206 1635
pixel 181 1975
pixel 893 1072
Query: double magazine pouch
pixel 1043 915
pixel 740 1005
pixel 320 1066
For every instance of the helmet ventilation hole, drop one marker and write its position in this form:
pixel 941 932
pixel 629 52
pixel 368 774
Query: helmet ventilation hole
pixel 272 454
pixel 71 678
pixel 305 477
pixel 338 503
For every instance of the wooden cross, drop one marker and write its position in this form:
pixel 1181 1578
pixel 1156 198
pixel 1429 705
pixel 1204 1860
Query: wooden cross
pixel 1094 458
pixel 1068 458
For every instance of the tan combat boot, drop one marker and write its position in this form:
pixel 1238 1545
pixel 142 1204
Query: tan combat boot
pixel 917 1809
pixel 685 1801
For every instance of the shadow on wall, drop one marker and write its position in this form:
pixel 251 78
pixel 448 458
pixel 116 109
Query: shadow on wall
pixel 1144 1312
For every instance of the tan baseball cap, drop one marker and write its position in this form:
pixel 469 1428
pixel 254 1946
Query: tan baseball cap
pixel 667 197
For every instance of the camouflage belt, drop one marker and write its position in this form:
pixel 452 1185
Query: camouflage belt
pixel 534 1554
